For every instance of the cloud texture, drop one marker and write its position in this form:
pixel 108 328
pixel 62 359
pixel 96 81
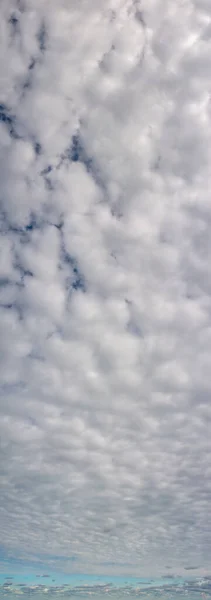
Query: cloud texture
pixel 105 253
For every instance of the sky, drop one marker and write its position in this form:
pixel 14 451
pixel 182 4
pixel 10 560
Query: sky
pixel 105 287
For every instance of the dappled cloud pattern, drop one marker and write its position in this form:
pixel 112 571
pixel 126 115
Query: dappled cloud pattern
pixel 105 285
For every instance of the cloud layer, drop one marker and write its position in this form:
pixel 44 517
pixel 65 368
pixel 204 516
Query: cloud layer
pixel 105 316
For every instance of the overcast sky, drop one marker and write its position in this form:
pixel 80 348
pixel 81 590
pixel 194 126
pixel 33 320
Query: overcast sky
pixel 105 273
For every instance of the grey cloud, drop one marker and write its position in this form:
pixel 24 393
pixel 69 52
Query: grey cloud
pixel 105 284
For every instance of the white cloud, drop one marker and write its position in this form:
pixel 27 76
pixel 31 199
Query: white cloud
pixel 105 282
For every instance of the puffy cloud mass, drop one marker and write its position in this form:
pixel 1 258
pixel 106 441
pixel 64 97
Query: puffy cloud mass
pixel 105 287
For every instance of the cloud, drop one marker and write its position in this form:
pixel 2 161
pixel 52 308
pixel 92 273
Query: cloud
pixel 105 284
pixel 190 568
pixel 115 589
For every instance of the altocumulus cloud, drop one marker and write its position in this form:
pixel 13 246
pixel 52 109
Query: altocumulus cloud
pixel 105 296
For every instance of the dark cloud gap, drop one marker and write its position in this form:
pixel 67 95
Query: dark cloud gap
pixel 75 153
pixel 76 281
pixel 47 170
pixel 27 84
pixel 29 77
pixel 116 213
pixel 8 306
pixel 9 121
pixel 13 20
pixel 132 325
pixel 78 153
pixel 4 281
pixel 49 184
pixel 42 38
pixel 14 127
pixel 23 232
pixel 23 273
pixel 15 307
pixel 48 181
pixel 37 148
pixel 58 225
pixel 134 328
pixel 32 64
pixel 34 223
pixel 36 356
pixel 12 289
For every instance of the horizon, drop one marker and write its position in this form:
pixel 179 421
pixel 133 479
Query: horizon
pixel 99 586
